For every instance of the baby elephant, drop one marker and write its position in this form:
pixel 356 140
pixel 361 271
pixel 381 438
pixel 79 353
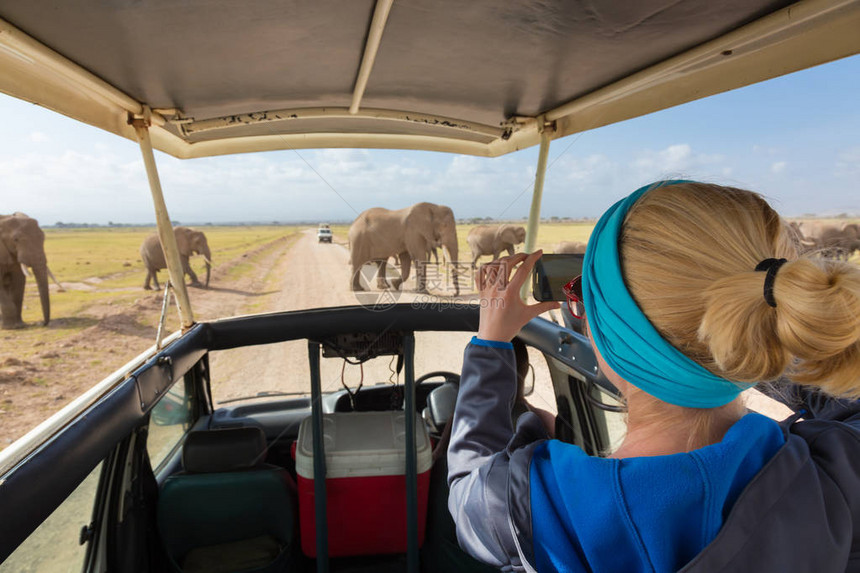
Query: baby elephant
pixel 189 242
pixel 493 239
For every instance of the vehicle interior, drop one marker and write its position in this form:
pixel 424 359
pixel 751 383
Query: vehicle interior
pixel 149 471
pixel 193 488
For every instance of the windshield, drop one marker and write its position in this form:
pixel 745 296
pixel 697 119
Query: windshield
pixel 279 371
pixel 792 139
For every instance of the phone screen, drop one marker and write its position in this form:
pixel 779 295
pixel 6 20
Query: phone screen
pixel 552 272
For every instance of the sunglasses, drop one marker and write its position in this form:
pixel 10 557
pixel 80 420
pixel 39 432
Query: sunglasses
pixel 573 292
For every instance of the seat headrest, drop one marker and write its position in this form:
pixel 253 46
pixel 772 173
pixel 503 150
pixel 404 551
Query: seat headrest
pixel 227 450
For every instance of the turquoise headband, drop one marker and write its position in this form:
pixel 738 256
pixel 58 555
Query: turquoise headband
pixel 625 337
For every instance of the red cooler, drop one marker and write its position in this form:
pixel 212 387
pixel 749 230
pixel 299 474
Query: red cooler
pixel 365 482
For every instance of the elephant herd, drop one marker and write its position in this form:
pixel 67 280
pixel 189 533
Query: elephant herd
pixel 831 241
pixel 22 246
pixel 413 234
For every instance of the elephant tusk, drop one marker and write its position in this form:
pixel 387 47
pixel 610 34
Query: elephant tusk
pixel 25 269
pixel 208 262
pixel 53 278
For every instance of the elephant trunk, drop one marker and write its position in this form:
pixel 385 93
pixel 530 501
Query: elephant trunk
pixel 207 256
pixel 450 244
pixel 41 274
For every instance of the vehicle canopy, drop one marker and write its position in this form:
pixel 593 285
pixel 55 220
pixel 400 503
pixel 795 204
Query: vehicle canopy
pixel 481 78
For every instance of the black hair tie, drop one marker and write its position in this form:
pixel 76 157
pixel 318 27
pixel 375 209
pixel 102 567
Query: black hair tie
pixel 772 267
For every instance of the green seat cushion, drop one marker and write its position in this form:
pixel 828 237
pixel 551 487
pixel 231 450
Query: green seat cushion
pixel 245 555
pixel 210 510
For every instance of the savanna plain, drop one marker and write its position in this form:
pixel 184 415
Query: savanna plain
pixel 102 317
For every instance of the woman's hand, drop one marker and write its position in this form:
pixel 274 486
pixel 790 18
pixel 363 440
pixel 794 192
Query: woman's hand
pixel 503 312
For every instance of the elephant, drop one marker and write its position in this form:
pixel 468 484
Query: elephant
pixel 493 239
pixel 851 234
pixel 22 244
pixel 188 241
pixel 572 247
pixel 839 242
pixel 795 232
pixel 410 233
pixel 432 253
pixel 828 239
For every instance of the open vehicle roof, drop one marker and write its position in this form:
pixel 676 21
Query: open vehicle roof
pixel 481 77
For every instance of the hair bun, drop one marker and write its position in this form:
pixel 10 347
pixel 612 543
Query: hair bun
pixel 812 336
pixel 818 322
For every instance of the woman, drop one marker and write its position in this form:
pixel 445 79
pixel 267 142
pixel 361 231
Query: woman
pixel 691 293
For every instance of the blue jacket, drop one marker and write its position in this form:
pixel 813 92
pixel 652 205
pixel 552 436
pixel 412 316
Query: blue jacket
pixel 765 498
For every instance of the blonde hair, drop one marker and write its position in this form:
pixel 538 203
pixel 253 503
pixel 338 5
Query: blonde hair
pixel 688 254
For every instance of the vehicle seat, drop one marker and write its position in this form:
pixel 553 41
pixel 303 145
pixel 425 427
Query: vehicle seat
pixel 442 400
pixel 440 405
pixel 441 551
pixel 227 511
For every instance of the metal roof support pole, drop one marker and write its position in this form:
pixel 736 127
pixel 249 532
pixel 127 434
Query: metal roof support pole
pixel 162 219
pixel 318 427
pixel 374 37
pixel 412 556
pixel 537 195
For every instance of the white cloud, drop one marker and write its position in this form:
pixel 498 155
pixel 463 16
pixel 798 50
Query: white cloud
pixel 778 167
pixel 848 162
pixel 39 137
pixel 675 159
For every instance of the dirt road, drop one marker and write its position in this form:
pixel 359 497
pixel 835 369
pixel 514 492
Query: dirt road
pixel 314 275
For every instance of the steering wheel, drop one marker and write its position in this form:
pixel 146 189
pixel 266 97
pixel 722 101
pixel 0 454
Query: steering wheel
pixel 448 376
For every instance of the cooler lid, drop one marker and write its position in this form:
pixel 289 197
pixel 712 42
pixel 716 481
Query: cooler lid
pixel 362 444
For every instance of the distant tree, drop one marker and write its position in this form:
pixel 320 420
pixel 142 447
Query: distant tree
pixel 59 224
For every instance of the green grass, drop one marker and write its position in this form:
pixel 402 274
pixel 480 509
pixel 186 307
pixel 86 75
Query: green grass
pixel 107 261
pixel 110 258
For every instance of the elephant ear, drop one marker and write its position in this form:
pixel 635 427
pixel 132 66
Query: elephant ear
pixel 183 241
pixel 426 221
pixel 505 234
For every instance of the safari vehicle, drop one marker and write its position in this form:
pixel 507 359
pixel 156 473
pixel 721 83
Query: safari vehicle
pixel 132 475
pixel 324 233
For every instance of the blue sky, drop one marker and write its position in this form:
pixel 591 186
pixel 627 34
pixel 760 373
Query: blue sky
pixel 796 139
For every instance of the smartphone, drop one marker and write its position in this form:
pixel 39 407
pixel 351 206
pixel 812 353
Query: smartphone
pixel 552 272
